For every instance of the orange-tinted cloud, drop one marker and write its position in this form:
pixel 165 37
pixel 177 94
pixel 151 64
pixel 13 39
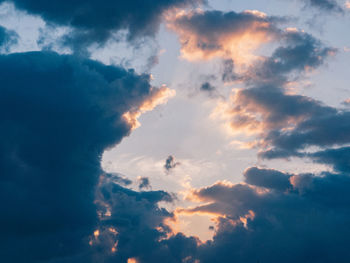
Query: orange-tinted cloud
pixel 157 97
pixel 209 34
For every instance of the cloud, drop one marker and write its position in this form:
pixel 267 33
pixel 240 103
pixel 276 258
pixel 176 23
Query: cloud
pixel 268 178
pixel 118 178
pixel 133 226
pixel 161 96
pixel 58 113
pixel 323 131
pixel 208 34
pixel 170 163
pixel 303 216
pixel 299 52
pixel 284 122
pixel 267 108
pixel 144 183
pixel 338 158
pixel 325 5
pixel 207 87
pixel 8 38
pixel 95 21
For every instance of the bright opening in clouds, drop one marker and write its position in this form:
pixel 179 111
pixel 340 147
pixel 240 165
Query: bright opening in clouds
pixel 180 131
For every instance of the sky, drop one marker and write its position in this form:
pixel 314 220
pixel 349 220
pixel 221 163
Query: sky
pixel 186 131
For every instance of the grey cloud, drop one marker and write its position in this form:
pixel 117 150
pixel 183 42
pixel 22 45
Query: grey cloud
pixel 268 178
pixel 170 163
pixel 144 183
pixel 95 21
pixel 297 222
pixel 58 113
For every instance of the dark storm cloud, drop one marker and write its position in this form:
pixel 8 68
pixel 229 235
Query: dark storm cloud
pixel 95 21
pixel 7 38
pixel 306 223
pixel 134 225
pixel 170 163
pixel 58 114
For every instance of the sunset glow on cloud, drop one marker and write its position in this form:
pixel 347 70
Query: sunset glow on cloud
pixel 178 131
pixel 208 34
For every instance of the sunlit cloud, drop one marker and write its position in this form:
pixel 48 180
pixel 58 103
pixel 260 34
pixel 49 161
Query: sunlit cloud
pixel 159 96
pixel 212 34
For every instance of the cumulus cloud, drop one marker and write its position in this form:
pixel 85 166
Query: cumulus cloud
pixel 58 114
pixel 302 216
pixel 208 34
pixel 95 21
pixel 132 226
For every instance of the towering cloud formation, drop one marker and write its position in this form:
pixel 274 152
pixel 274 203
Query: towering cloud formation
pixel 58 114
pixel 95 21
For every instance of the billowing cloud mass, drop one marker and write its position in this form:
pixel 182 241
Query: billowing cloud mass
pixel 7 38
pixel 209 34
pixel 95 21
pixel 58 114
pixel 297 218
